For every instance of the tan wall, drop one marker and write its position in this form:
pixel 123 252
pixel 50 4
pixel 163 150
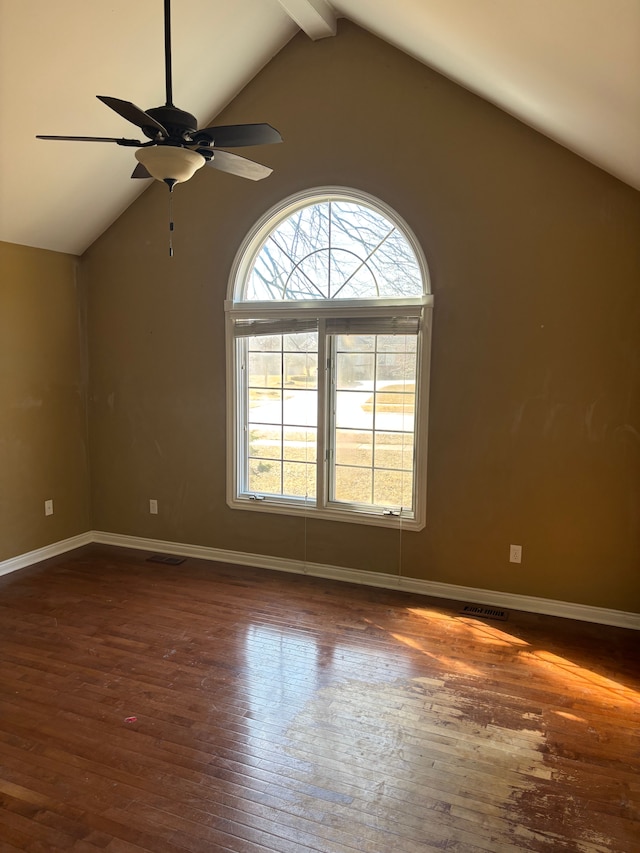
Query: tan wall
pixel 535 411
pixel 42 401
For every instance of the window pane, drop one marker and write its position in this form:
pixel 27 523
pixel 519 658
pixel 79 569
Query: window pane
pixel 393 488
pixel 310 279
pixel 265 476
pixel 281 432
pixel 358 228
pixel 362 285
pixel 373 425
pixel 396 366
pixel 299 445
pixel 266 406
pixel 394 265
pixel 305 231
pixel 269 273
pixel 350 277
pixel 300 369
pixel 394 450
pixel 394 411
pixel 264 442
pixel 300 408
pixel 354 447
pixel 265 370
pixel 353 485
pixel 354 409
pixel 354 369
pixel 299 479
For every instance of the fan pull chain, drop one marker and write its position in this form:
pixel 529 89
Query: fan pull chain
pixel 170 221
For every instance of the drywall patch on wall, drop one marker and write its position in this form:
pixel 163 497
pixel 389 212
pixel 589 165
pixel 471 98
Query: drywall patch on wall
pixel 27 403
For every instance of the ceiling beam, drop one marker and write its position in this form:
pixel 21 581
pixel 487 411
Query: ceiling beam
pixel 316 17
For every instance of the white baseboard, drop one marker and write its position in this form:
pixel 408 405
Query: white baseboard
pixel 511 601
pixel 24 560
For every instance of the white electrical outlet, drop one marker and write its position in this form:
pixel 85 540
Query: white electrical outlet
pixel 515 553
pixel 48 507
pixel 153 507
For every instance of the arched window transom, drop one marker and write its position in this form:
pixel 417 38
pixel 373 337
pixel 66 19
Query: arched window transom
pixel 334 249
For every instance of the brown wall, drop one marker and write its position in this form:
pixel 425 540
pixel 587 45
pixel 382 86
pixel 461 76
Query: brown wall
pixel 535 411
pixel 42 401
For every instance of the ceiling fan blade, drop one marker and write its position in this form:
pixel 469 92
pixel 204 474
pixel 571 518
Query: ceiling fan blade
pixel 225 161
pixel 130 143
pixel 132 113
pixel 140 171
pixel 238 135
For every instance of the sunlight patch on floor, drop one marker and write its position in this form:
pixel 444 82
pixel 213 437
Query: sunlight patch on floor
pixel 541 661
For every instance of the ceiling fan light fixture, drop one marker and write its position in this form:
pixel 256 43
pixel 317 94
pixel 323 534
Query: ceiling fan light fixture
pixel 170 163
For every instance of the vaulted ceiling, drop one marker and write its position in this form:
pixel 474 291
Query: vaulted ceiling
pixel 568 68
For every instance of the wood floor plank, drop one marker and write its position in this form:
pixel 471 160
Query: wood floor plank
pixel 277 713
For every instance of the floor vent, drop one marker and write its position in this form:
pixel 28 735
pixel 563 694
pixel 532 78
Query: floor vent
pixel 166 559
pixel 482 612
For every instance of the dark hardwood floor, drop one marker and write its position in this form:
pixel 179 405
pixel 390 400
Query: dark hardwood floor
pixel 208 707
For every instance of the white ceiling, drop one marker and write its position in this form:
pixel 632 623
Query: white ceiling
pixel 569 68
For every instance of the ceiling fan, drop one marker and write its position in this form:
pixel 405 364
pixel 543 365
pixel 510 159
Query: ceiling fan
pixel 176 148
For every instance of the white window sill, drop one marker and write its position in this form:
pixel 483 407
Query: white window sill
pixel 351 516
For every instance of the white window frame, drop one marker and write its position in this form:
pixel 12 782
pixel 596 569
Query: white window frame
pixel 237 309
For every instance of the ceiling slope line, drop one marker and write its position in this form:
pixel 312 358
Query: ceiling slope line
pixel 316 18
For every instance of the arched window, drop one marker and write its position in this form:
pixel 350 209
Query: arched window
pixel 328 327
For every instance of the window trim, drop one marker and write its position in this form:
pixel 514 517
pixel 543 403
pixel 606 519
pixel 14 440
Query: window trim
pixel 237 309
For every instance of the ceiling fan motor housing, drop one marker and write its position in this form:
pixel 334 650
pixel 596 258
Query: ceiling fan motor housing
pixel 179 124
